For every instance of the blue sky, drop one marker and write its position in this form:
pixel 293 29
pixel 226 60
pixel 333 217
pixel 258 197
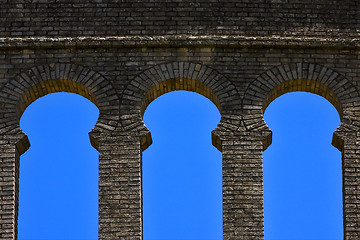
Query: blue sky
pixel 181 170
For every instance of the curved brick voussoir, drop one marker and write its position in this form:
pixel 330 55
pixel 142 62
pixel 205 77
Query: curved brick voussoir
pixel 167 77
pixel 28 86
pixel 305 77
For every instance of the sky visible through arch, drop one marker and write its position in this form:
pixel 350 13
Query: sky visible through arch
pixel 182 183
pixel 302 171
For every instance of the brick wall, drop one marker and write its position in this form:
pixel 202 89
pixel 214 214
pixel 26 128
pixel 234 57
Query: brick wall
pixel 121 56
pixel 161 17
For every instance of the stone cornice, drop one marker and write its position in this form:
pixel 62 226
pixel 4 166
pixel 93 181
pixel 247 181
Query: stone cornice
pixel 229 41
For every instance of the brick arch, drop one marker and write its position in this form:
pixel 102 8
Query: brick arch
pixel 28 86
pixel 305 77
pixel 167 77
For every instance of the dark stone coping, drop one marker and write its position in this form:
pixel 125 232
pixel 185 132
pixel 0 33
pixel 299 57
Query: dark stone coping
pixel 178 41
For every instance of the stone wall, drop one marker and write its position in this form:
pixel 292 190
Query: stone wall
pixel 241 55
pixel 163 17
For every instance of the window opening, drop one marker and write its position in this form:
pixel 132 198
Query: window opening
pixel 182 171
pixel 302 171
pixel 58 196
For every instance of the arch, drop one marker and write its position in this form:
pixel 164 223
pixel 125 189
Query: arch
pixel 308 77
pixel 26 87
pixel 57 126
pixel 301 168
pixel 166 77
pixel 193 162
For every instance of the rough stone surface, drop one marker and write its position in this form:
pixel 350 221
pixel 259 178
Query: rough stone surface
pixel 122 55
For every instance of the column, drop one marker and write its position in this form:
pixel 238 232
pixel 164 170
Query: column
pixel 120 188
pixel 12 145
pixel 243 216
pixel 351 186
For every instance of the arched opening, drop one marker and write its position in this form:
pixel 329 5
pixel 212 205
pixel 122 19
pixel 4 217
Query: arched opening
pixel 58 197
pixel 182 171
pixel 302 171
